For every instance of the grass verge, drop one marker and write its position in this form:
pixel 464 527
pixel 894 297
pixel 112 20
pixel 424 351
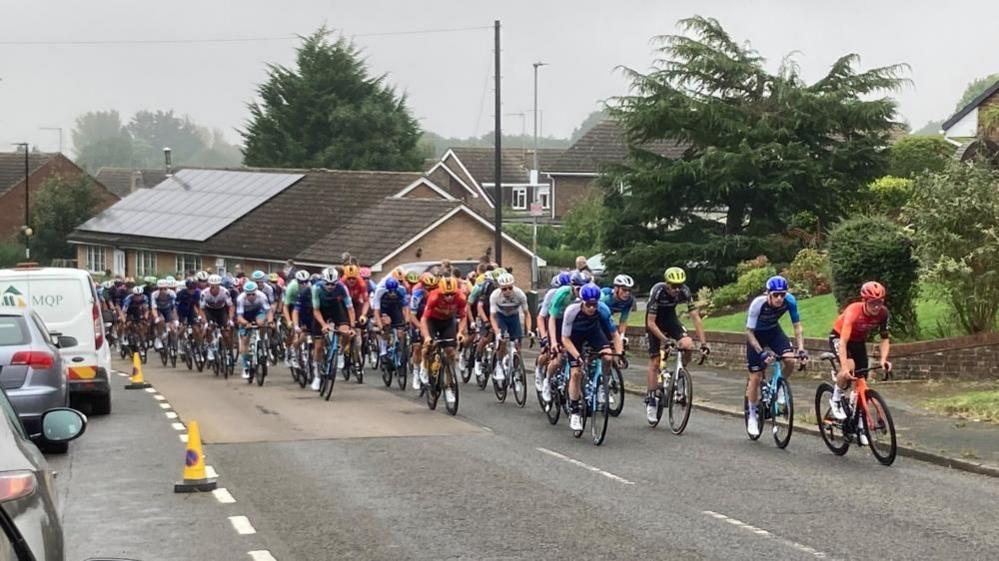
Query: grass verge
pixel 978 404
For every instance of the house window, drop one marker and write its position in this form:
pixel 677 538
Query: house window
pixel 545 198
pixel 95 260
pixel 187 262
pixel 145 263
pixel 624 188
pixel 519 198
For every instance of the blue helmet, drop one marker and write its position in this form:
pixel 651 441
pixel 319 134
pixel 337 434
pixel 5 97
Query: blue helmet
pixel 227 281
pixel 777 284
pixel 391 284
pixel 589 293
pixel 555 281
pixel 579 278
pixel 250 287
pixel 258 275
pixel 564 278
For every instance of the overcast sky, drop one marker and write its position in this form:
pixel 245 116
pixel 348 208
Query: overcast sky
pixel 447 76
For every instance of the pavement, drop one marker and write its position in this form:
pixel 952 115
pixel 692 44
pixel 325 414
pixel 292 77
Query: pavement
pixel 374 475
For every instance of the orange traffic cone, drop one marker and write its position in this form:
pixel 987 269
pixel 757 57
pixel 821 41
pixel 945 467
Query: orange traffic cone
pixel 195 477
pixel 137 381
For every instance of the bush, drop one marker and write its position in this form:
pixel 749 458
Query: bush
pixel 728 295
pixel 11 253
pixel 751 282
pixel 888 195
pixel 875 248
pixel 913 155
pixel 956 217
pixel 758 262
pixel 809 273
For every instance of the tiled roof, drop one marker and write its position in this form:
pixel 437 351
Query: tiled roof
pixel 970 106
pixel 603 144
pixel 119 180
pixel 516 163
pixel 12 167
pixel 408 218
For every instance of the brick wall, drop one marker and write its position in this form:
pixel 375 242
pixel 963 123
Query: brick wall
pixel 970 357
pixel 569 190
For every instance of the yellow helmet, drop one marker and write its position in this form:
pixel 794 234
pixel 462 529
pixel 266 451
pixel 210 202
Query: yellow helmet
pixel 428 279
pixel 448 285
pixel 351 271
pixel 675 275
pixel 412 277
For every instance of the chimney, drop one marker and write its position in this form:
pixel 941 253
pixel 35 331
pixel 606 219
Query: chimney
pixel 167 161
pixel 136 181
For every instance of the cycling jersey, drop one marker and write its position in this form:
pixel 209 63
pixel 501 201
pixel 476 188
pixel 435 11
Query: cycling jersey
pixel 418 301
pixel 546 302
pixel 371 286
pixel 333 303
pixel 358 294
pixel 134 305
pixel 120 294
pixel 268 290
pixel 385 299
pixel 252 309
pixel 164 299
pixel 560 301
pixel 763 316
pixel 291 293
pixel 215 300
pixel 509 303
pixel 187 303
pixel 663 302
pixel 617 306
pixel 592 329
pixel 855 325
pixel 440 308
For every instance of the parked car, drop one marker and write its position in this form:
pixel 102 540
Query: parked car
pixel 67 302
pixel 28 512
pixel 422 266
pixel 31 366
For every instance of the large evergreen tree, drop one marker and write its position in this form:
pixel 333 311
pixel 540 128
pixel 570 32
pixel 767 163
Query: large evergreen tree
pixel 329 112
pixel 760 149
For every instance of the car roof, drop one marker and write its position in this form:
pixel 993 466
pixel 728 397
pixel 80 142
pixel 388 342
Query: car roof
pixel 11 272
pixel 14 311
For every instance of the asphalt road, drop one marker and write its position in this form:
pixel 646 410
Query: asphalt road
pixel 375 475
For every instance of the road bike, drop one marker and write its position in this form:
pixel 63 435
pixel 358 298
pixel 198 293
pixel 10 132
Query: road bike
pixel 514 375
pixel 466 355
pixel 328 369
pixel 193 353
pixel 595 406
pixel 674 390
pixel 438 384
pixel 257 356
pixel 486 361
pixel 867 416
pixel 776 403
pixel 369 347
pixel 396 359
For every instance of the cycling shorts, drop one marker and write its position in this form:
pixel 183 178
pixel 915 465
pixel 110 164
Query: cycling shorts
pixel 670 326
pixel 857 350
pixel 510 325
pixel 167 314
pixel 395 315
pixel 443 329
pixel 773 339
pixel 595 338
pixel 218 316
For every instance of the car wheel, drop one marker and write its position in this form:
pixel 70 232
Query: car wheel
pixel 101 404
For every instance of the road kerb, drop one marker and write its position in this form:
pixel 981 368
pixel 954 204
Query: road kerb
pixel 914 453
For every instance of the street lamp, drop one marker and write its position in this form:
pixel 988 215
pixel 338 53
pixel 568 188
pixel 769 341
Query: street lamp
pixel 27 225
pixel 535 179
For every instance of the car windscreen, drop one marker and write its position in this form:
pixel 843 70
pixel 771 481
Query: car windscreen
pixel 13 331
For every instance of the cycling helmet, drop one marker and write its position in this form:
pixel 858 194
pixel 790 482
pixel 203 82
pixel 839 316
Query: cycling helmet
pixel 351 272
pixel 227 282
pixel 149 280
pixel 624 281
pixel 564 278
pixel 589 293
pixel 162 283
pixel 428 279
pixel 250 286
pixel 398 273
pixel 273 277
pixel 675 275
pixel 301 275
pixel 498 272
pixel 214 280
pixel 189 283
pixel 202 276
pixel 777 284
pixel 506 279
pixel 137 290
pixel 579 278
pixel 391 284
pixel 257 276
pixel 315 277
pixel 448 285
pixel 330 274
pixel 365 273
pixel 872 290
pixel 412 277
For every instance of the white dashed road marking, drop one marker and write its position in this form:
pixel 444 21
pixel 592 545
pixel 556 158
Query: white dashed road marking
pixel 764 533
pixel 242 525
pixel 150 390
pixel 183 438
pixel 583 465
pixel 171 415
pixel 261 555
pixel 210 472
pixel 164 406
pixel 159 397
pixel 178 426
pixel 224 496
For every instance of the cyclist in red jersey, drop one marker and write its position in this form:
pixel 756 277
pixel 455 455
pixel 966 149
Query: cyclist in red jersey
pixel 358 290
pixel 443 319
pixel 849 335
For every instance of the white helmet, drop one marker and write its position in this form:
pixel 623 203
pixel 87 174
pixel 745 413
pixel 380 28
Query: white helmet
pixel 171 282
pixel 301 275
pixel 330 274
pixel 202 276
pixel 137 290
pixel 625 281
pixel 505 279
pixel 162 283
pixel 214 279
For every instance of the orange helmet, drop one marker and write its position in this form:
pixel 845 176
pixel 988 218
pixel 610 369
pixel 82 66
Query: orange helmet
pixel 351 271
pixel 872 290
pixel 399 274
pixel 448 285
pixel 428 279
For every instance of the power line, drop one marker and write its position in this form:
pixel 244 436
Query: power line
pixel 222 40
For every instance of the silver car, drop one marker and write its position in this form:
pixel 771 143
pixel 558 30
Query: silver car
pixel 31 368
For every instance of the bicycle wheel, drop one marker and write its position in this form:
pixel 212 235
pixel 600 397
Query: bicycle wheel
pixel 583 414
pixel 782 410
pixel 261 363
pixel 173 351
pixel 165 353
pixel 759 417
pixel 600 410
pixel 468 354
pixel 482 379
pixel 831 428
pixel 387 375
pixel 681 402
pixel 434 387
pixel 615 391
pixel 188 353
pixel 519 381
pixel 448 374
pixel 663 395
pixel 327 392
pixel 881 435
pixel 404 372
pixel 499 386
pixel 357 361
pixel 553 409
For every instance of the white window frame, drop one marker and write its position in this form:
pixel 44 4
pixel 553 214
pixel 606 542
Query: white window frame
pixel 624 188
pixel 183 259
pixel 142 268
pixel 521 194
pixel 96 258
pixel 545 198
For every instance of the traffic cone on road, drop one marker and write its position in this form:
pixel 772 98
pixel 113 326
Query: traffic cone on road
pixel 137 382
pixel 195 477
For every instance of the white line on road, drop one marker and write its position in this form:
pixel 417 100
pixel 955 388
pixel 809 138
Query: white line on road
pixel 159 397
pixel 242 525
pixel 594 469
pixel 171 415
pixel 761 532
pixel 484 427
pixel 210 472
pixel 183 438
pixel 261 555
pixel 122 374
pixel 164 406
pixel 224 496
pixel 178 426
pixel 150 390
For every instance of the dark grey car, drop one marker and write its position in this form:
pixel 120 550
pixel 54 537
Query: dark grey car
pixel 31 368
pixel 27 495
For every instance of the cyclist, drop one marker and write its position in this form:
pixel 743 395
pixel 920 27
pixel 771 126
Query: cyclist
pixel 558 281
pixel 661 322
pixel 586 321
pixel 366 277
pixel 133 310
pixel 442 319
pixel 333 311
pixel 251 308
pixel 217 309
pixel 260 278
pixel 620 301
pixel 418 303
pixel 358 291
pixel 391 308
pixel 164 301
pixel 765 340
pixel 298 285
pixel 304 321
pixel 411 280
pixel 507 305
pixel 273 280
pixel 563 297
pixel 478 299
pixel 849 335
pixel 188 302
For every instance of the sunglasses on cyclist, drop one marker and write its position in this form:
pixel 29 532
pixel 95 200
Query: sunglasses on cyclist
pixel 506 288
pixel 879 302
pixel 590 304
pixel 674 286
pixel 778 294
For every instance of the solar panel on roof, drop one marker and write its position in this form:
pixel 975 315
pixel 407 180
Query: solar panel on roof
pixel 191 205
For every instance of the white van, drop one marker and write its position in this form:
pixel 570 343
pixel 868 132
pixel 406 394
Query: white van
pixel 68 304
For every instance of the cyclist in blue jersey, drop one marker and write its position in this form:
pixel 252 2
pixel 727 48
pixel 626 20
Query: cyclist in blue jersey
pixel 188 312
pixel 164 302
pixel 620 301
pixel 765 340
pixel 251 308
pixel 390 305
pixel 333 310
